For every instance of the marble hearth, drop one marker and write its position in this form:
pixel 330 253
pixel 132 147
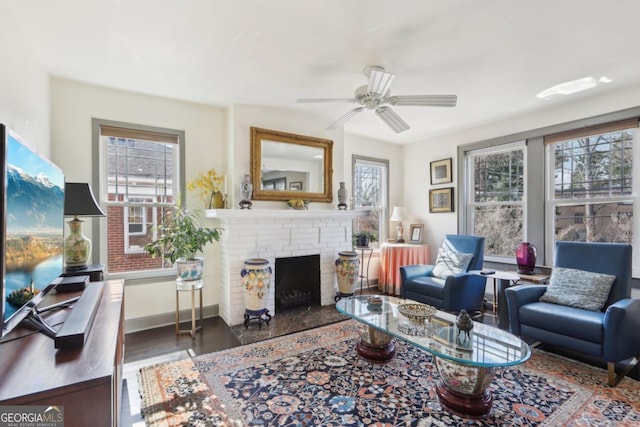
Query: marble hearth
pixel 271 234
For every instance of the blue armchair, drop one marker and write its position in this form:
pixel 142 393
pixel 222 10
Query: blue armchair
pixel 454 292
pixel 609 334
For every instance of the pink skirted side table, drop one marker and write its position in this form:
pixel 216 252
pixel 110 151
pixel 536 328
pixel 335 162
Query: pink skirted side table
pixel 395 255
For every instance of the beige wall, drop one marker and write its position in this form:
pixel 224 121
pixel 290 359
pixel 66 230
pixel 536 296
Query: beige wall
pixel 74 104
pixel 24 86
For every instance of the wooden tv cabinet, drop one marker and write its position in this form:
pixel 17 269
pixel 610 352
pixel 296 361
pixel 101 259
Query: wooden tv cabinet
pixel 87 381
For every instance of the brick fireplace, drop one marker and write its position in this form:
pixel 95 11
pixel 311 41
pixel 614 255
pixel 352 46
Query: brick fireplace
pixel 271 234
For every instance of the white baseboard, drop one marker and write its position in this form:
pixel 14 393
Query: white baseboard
pixel 164 319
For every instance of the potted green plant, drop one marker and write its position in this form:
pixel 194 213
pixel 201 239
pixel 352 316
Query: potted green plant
pixel 363 238
pixel 181 238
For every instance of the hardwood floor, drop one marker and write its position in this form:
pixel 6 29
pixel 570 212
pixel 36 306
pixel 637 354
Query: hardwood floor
pixel 215 336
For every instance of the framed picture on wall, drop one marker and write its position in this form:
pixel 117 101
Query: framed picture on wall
pixel 415 233
pixel 441 200
pixel 441 171
pixel 295 185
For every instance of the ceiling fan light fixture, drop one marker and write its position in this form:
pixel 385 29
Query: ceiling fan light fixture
pixel 379 80
pixel 392 120
pixel 374 95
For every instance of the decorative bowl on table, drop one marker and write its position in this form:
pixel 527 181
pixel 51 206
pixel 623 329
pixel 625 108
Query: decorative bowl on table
pixel 417 313
pixel 374 300
pixel 374 304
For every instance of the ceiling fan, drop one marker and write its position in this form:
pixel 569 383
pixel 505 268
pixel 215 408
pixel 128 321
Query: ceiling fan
pixel 376 95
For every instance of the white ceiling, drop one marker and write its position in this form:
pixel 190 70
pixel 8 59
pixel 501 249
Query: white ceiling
pixel 496 55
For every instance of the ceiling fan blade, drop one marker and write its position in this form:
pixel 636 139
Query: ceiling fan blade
pixel 308 100
pixel 393 120
pixel 379 81
pixel 344 118
pixel 424 100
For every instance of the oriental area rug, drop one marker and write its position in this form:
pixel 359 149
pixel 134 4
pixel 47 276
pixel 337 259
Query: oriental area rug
pixel 315 378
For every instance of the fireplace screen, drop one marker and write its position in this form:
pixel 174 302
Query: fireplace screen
pixel 297 281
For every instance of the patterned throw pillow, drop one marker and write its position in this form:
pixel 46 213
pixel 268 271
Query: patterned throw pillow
pixel 449 263
pixel 578 288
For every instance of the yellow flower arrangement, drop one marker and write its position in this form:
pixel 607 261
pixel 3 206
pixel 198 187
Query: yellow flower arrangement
pixel 298 204
pixel 210 186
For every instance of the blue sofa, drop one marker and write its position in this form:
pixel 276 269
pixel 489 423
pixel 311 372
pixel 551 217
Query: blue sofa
pixel 454 293
pixel 610 334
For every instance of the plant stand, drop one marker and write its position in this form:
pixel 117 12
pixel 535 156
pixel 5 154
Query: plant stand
pixel 193 286
pixel 256 316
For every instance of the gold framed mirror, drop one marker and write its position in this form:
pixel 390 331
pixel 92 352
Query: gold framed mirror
pixel 287 166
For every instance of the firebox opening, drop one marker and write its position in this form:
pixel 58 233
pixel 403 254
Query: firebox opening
pixel 297 282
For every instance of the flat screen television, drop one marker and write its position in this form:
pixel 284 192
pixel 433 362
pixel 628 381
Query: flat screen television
pixel 32 225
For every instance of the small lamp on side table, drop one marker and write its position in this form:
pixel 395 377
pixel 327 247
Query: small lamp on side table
pixel 78 201
pixel 399 214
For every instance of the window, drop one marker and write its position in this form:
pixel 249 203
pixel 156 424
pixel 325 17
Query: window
pixel 592 191
pixel 139 180
pixel 138 220
pixel 370 192
pixel 495 198
pixel 579 183
pixel 135 219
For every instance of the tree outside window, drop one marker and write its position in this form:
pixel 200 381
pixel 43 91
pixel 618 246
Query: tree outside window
pixel 496 204
pixel 593 180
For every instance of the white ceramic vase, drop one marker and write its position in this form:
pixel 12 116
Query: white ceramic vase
pixel 246 191
pixel 343 195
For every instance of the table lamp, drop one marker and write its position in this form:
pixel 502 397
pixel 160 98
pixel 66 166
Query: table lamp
pixel 78 201
pixel 399 214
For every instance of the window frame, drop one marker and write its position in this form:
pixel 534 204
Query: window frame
pixel 99 181
pixel 145 211
pixel 536 178
pixel 384 209
pixel 469 189
pixel 551 202
pixel 142 223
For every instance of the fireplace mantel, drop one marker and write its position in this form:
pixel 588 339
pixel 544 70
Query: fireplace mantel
pixel 281 213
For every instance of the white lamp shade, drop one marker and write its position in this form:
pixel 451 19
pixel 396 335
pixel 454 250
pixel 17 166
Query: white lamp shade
pixel 399 214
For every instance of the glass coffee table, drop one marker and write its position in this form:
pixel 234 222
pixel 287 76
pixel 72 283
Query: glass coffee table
pixel 466 362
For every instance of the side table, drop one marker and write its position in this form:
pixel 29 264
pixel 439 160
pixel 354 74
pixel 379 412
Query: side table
pixel 364 274
pixel 534 278
pixel 503 280
pixel 193 286
pixel 392 257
